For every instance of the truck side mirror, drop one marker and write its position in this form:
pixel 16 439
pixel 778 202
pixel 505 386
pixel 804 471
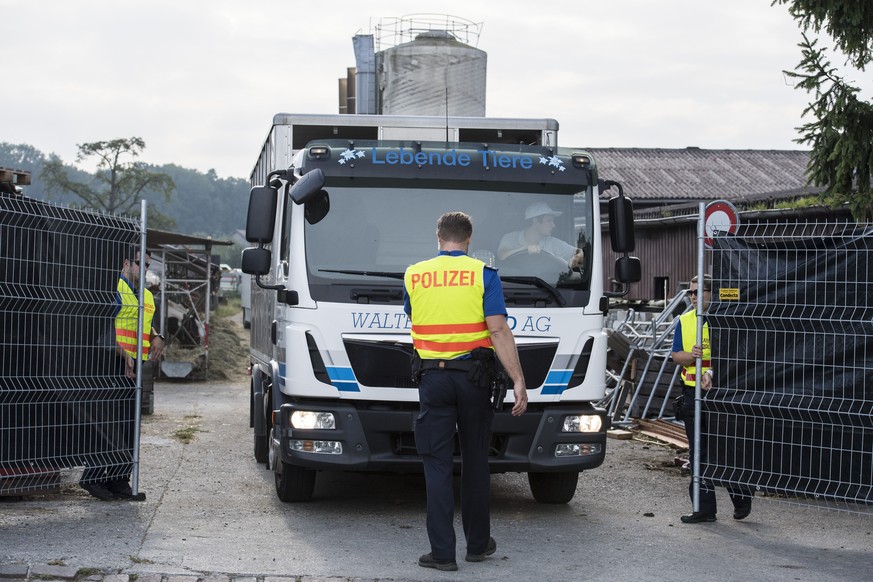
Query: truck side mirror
pixel 621 232
pixel 317 207
pixel 307 186
pixel 621 224
pixel 256 261
pixel 628 270
pixel 262 214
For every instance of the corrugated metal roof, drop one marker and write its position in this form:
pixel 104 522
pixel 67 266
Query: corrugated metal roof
pixel 671 175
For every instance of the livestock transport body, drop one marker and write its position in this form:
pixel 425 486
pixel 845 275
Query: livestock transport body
pixel 340 206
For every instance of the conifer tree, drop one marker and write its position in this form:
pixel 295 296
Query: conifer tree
pixel 840 127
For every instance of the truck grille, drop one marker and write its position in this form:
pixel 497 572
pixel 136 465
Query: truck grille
pixel 389 364
pixel 381 363
pixel 404 444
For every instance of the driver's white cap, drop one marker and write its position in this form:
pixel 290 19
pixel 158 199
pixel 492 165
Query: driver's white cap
pixel 539 209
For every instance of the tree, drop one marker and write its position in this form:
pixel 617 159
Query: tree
pixel 118 184
pixel 840 133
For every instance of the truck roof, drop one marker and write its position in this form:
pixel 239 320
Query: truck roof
pixel 423 128
pixel 414 121
pixel 291 132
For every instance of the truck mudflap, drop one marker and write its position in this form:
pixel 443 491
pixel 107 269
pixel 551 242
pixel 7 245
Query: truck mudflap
pixel 379 437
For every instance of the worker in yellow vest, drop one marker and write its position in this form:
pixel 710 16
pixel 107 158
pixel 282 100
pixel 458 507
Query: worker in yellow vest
pixel 127 318
pixel 109 483
pixel 458 315
pixel 685 353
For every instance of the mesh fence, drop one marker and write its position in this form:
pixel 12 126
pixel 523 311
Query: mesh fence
pixel 67 413
pixel 791 327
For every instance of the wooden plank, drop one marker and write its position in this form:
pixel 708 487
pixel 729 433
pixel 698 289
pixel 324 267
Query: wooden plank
pixel 678 443
pixel 620 434
pixel 664 431
pixel 662 426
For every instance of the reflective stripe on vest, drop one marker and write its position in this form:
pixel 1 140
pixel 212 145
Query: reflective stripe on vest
pixel 446 297
pixel 688 322
pixel 126 319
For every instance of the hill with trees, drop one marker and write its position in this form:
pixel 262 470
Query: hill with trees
pixel 199 204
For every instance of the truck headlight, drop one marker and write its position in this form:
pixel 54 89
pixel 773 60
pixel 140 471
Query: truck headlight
pixel 582 423
pixel 308 419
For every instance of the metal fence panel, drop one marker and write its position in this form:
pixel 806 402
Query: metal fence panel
pixel 65 406
pixel 791 326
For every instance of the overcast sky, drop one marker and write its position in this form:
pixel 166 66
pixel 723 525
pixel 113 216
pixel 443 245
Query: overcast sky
pixel 199 81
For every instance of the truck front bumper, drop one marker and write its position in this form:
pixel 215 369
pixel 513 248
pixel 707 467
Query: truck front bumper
pixel 377 437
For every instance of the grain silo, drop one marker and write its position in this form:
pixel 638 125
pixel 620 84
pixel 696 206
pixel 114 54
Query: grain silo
pixel 421 64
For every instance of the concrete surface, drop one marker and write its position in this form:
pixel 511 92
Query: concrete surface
pixel 211 513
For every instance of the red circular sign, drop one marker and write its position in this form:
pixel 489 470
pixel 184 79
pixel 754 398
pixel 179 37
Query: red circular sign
pixel 720 216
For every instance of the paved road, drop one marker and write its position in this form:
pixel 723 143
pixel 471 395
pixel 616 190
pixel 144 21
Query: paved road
pixel 211 511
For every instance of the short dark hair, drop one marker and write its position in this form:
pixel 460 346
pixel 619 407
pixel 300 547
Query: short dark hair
pixel 132 252
pixel 707 282
pixel 454 227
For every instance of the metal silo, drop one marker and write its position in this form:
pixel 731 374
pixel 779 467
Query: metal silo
pixel 434 71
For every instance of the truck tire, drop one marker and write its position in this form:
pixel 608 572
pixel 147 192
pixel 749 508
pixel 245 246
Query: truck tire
pixel 553 488
pixel 261 449
pixel 294 483
pixel 262 442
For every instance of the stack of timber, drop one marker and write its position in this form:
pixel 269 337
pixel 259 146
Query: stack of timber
pixel 668 432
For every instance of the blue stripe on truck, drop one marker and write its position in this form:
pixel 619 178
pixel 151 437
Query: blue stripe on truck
pixel 343 379
pixel 556 381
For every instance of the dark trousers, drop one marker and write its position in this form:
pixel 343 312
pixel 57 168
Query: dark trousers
pixel 449 400
pixel 111 417
pixel 741 496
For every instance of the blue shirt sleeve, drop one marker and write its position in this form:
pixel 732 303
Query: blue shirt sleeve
pixel 493 302
pixel 677 338
pixel 407 306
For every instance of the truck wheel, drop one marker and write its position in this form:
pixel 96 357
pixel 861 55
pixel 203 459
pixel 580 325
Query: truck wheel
pixel 553 488
pixel 261 448
pixel 262 443
pixel 294 483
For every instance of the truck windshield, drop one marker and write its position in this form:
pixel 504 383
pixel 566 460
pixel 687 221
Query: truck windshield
pixel 539 241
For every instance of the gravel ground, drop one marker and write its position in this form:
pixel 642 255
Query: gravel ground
pixel 211 512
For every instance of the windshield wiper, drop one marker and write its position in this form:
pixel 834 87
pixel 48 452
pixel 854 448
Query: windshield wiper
pixel 536 282
pixel 389 274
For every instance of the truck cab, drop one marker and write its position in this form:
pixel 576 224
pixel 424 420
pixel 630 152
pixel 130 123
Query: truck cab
pixel 337 226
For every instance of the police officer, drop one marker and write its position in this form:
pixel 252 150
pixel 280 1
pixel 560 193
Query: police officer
pixel 686 350
pixel 455 304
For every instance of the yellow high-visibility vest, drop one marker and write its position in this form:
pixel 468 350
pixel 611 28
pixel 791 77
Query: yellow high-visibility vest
pixel 448 318
pixel 126 319
pixel 688 322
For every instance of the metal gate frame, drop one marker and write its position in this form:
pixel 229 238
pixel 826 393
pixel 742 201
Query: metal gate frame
pixel 806 437
pixel 67 413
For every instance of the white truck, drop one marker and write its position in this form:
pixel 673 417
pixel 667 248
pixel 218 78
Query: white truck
pixel 340 205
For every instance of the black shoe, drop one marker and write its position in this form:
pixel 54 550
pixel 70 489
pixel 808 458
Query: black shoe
pixel 98 490
pixel 427 561
pixel 120 488
pixel 490 549
pixel 698 517
pixel 743 511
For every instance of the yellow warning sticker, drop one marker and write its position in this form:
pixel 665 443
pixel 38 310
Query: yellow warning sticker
pixel 729 294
